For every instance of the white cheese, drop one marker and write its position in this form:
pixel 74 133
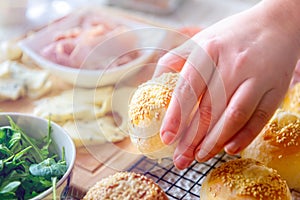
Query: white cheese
pixel 5 71
pixel 10 50
pixel 79 104
pixel 18 81
pixel 91 132
pixel 11 89
pixel 90 116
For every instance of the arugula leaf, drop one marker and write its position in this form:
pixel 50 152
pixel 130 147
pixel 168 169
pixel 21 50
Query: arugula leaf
pixel 37 153
pixel 14 139
pixel 21 153
pixel 54 180
pixel 47 141
pixel 2 136
pixel 10 187
pixel 19 156
pixel 4 151
pixel 9 136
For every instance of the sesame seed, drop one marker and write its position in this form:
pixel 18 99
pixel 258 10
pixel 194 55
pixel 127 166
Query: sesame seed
pixel 235 176
pixel 283 134
pixel 152 98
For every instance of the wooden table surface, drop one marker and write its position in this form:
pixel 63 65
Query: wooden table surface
pixel 92 162
pixel 96 161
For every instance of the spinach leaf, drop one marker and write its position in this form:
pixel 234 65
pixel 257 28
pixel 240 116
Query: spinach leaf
pixel 48 168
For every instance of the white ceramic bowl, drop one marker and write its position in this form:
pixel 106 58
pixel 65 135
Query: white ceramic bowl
pixel 147 38
pixel 37 128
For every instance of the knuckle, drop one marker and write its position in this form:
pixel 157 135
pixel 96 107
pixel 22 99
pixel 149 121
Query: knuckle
pixel 205 115
pixel 236 115
pixel 262 115
pixel 186 90
pixel 189 149
pixel 212 45
pixel 241 59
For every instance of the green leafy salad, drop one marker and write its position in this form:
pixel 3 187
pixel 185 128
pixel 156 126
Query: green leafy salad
pixel 27 167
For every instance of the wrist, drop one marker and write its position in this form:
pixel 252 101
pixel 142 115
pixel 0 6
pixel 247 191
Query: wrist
pixel 283 16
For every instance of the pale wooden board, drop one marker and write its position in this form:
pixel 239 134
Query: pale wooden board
pixel 98 161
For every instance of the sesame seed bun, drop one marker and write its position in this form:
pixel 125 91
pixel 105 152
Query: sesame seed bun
pixel 146 112
pixel 278 146
pixel 125 185
pixel 245 179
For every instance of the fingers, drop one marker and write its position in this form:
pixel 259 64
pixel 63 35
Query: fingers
pixel 205 116
pixel 170 62
pixel 174 60
pixel 194 77
pixel 238 111
pixel 184 153
pixel 260 117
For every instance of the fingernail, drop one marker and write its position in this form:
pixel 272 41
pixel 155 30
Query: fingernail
pixel 168 137
pixel 232 148
pixel 201 155
pixel 182 162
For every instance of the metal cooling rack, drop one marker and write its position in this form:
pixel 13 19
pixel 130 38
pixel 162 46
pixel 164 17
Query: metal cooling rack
pixel 184 184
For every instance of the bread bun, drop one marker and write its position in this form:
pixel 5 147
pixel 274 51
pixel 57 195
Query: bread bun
pixel 146 112
pixel 245 179
pixel 291 101
pixel 126 185
pixel 278 146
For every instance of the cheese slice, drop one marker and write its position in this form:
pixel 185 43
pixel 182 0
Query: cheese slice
pixel 79 104
pixel 18 81
pixel 5 71
pixel 84 132
pixel 11 89
pixel 37 93
pixel 90 116
pixel 90 132
pixel 10 50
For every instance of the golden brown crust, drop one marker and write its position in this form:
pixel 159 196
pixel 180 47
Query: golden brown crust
pixel 126 185
pixel 278 146
pixel 146 111
pixel 283 132
pixel 152 97
pixel 244 179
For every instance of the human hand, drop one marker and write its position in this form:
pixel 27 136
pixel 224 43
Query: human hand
pixel 233 76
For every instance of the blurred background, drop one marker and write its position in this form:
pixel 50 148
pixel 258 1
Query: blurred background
pixel 20 16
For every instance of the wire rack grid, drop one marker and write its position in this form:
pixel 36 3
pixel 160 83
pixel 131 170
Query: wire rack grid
pixel 179 184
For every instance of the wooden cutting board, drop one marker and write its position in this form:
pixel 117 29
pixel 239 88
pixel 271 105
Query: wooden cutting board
pixel 98 161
